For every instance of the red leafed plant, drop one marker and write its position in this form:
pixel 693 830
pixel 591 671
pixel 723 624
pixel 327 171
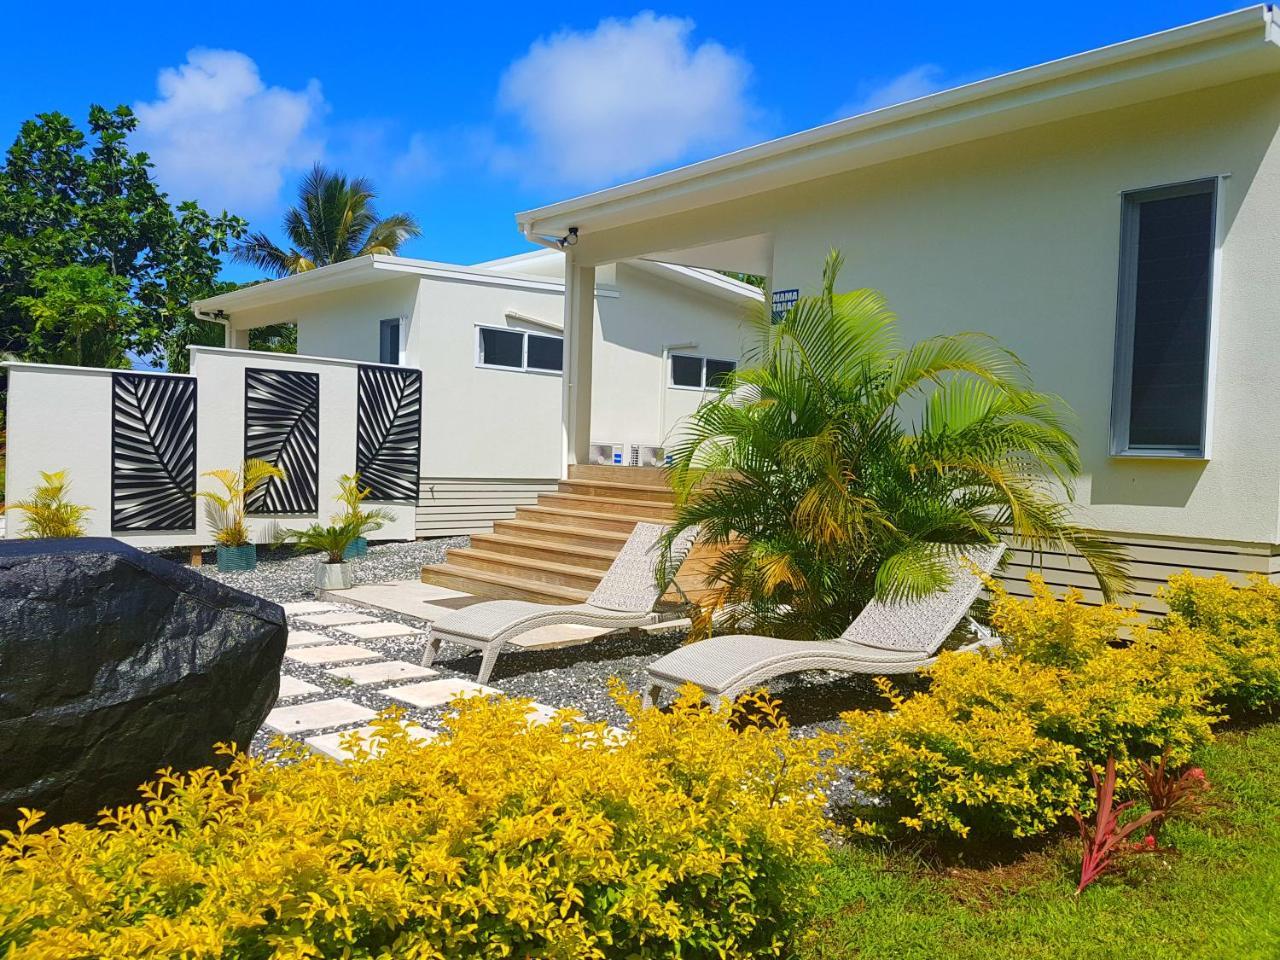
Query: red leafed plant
pixel 1107 835
pixel 1169 794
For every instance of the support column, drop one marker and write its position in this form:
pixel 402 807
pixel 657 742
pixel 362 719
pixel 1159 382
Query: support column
pixel 236 339
pixel 579 335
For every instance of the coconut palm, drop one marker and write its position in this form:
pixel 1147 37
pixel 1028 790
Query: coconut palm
pixel 334 220
pixel 838 465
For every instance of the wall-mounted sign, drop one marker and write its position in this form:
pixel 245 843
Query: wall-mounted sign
pixel 783 300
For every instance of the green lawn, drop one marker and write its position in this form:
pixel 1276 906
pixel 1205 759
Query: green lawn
pixel 1217 895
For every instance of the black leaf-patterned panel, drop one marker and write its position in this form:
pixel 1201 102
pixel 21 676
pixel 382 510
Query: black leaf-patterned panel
pixel 282 426
pixel 153 452
pixel 388 432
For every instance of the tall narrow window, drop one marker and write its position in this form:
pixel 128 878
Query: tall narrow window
pixel 389 341
pixel 1160 401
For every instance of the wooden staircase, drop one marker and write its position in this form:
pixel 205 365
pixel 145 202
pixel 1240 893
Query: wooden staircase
pixel 557 550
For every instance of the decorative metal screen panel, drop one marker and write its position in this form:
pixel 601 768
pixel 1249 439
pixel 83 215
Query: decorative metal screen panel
pixel 388 432
pixel 153 452
pixel 282 426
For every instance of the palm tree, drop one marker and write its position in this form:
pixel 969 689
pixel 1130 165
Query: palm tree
pixel 839 465
pixel 334 220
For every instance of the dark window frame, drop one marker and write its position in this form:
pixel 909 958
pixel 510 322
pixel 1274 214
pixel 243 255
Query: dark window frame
pixel 1126 322
pixel 702 384
pixel 524 336
pixel 383 326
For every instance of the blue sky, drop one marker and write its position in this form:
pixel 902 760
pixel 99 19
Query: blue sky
pixel 463 116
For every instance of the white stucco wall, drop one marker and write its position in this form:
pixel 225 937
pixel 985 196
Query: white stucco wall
pixel 1017 235
pixel 59 418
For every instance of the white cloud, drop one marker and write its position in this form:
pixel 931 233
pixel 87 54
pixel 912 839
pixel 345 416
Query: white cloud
pixel 917 82
pixel 418 161
pixel 622 99
pixel 219 135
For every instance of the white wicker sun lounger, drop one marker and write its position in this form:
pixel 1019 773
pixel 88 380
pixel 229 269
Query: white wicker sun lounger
pixel 883 639
pixel 625 597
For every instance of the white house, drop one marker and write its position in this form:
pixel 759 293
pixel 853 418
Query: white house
pixel 1113 217
pixel 441 384
pixel 488 340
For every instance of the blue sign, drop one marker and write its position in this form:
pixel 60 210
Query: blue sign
pixel 783 300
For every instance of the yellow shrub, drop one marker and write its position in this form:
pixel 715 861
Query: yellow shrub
pixel 500 839
pixel 998 743
pixel 1241 625
pixel 1059 631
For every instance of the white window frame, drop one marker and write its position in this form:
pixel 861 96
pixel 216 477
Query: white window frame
pixel 1122 378
pixel 524 350
pixel 671 370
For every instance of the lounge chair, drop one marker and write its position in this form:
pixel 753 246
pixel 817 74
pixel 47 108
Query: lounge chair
pixel 883 639
pixel 626 596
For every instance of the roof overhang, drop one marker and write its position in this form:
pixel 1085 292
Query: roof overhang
pixel 1208 53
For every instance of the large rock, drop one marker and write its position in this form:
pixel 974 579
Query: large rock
pixel 115 663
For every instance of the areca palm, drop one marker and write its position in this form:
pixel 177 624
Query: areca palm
pixel 334 220
pixel 838 465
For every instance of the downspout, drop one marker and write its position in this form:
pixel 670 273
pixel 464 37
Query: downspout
pixel 220 318
pixel 667 348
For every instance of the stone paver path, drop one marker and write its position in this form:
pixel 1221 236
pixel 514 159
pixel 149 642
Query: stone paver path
pixel 377 630
pixel 332 744
pixel 382 671
pixel 330 653
pixel 319 715
pixel 330 688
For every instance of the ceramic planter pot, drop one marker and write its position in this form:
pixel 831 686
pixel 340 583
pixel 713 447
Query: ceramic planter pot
pixel 333 576
pixel 232 559
pixel 359 548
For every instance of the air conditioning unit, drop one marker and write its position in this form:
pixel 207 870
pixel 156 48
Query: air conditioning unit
pixel 647 455
pixel 606 454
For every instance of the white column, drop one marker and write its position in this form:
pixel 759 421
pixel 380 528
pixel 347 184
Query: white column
pixel 236 339
pixel 579 334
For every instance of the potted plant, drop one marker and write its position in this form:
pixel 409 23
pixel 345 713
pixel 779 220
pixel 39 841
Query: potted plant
pixel 332 571
pixel 351 495
pixel 226 511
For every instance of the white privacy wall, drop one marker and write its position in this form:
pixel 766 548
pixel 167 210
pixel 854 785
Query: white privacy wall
pixel 59 418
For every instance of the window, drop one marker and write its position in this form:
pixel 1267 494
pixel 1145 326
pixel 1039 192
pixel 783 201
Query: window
pixel 697 373
pixel 389 341
pixel 1160 401
pixel 519 350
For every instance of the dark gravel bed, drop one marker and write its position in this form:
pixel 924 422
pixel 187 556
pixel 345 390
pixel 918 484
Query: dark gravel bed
pixel 283 574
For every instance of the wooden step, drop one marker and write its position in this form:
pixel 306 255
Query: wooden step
pixel 484 583
pixel 649 493
pixel 580 519
pixel 590 471
pixel 631 508
pixel 610 541
pixel 555 552
pixel 525 568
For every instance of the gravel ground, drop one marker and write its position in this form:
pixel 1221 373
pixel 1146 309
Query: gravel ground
pixel 572 677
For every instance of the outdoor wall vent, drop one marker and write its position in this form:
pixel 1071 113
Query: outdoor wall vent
pixel 606 454
pixel 646 455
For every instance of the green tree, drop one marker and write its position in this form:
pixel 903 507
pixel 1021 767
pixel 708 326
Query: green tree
pixel 838 465
pixel 80 316
pixel 68 200
pixel 334 220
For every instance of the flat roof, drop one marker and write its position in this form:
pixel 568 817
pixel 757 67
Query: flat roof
pixel 1205 53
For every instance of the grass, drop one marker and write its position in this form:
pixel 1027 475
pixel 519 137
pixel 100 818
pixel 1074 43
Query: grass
pixel 1213 895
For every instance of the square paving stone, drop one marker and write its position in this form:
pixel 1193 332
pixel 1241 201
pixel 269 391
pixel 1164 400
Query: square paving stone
pixel 331 744
pixel 382 671
pixel 306 717
pixel 378 630
pixel 295 607
pixel 335 619
pixel 436 693
pixel 293 687
pixel 306 638
pixel 330 653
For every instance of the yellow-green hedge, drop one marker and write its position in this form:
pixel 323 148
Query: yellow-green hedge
pixel 1241 626
pixel 998 743
pixel 500 840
